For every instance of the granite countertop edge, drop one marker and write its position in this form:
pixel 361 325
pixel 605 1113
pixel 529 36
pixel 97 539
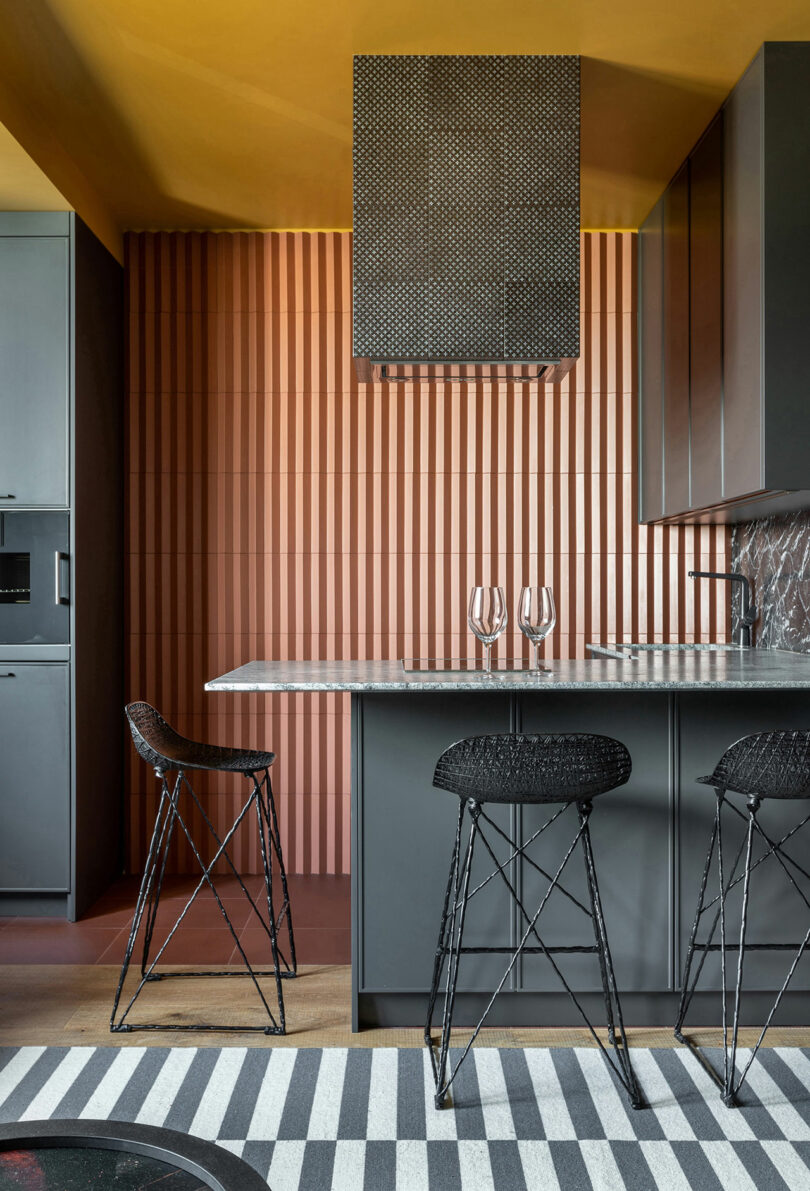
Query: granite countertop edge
pixel 753 670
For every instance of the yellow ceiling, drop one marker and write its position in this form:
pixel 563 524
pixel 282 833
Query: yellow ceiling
pixel 200 113
pixel 23 185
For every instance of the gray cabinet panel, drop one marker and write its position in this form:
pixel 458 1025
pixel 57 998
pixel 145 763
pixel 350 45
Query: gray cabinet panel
pixel 706 317
pixel 709 723
pixel 749 304
pixel 630 832
pixel 34 777
pixel 742 284
pixel 676 344
pixel 408 830
pixel 34 371
pixel 786 295
pixel 651 315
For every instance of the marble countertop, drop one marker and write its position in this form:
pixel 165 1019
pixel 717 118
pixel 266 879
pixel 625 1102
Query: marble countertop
pixel 754 669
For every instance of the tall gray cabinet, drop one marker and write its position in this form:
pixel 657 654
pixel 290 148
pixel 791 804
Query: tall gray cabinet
pixel 61 564
pixel 724 309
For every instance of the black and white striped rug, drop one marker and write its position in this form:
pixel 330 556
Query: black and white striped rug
pixel 363 1120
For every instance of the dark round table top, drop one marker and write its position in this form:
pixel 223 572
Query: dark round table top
pixel 85 1168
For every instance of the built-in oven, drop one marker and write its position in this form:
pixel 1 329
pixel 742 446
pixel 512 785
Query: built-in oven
pixel 34 578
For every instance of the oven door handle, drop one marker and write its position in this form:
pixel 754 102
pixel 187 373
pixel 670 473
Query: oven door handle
pixel 59 558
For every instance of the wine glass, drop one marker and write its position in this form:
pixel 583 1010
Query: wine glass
pixel 536 616
pixel 487 617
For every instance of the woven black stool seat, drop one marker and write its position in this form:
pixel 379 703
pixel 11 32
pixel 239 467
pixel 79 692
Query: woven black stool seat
pixel 767 764
pixel 162 747
pixel 759 767
pixel 533 768
pixel 169 752
pixel 566 770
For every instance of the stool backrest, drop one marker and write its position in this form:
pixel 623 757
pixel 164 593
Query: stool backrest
pixel 533 767
pixel 154 740
pixel 770 764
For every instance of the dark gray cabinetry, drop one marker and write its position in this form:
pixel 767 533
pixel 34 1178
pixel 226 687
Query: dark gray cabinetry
pixel 650 839
pixel 61 444
pixel 34 778
pixel 709 723
pixel 743 326
pixel 651 328
pixel 34 371
pixel 742 267
pixel 706 318
pixel 631 840
pixel 411 829
pixel 676 343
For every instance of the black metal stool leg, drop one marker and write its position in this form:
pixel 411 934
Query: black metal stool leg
pixel 450 946
pixel 438 961
pixel 171 808
pixel 725 883
pixel 161 859
pixel 144 893
pixel 613 1006
pixel 268 808
pixel 730 1082
pixel 267 862
pixel 686 992
pixel 454 940
pixel 730 1065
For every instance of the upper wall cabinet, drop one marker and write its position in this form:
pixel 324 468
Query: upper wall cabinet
pixel 706 319
pixel 724 309
pixel 675 355
pixel 34 406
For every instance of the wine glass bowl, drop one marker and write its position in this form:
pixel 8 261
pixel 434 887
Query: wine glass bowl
pixel 537 616
pixel 487 617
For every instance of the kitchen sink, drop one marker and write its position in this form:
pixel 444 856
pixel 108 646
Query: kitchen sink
pixel 625 650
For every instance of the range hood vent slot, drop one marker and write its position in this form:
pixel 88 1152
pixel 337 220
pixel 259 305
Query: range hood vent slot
pixel 466 218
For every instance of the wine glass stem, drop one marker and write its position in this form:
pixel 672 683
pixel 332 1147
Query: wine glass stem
pixel 488 664
pixel 537 665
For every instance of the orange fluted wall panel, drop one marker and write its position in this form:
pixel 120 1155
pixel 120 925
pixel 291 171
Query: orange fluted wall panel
pixel 277 509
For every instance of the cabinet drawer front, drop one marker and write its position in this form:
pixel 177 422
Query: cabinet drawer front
pixel 34 777
pixel 34 372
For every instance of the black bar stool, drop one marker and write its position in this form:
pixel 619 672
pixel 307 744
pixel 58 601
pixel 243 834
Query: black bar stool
pixel 765 765
pixel 565 769
pixel 161 747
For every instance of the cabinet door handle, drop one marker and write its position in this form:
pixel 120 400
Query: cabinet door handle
pixel 59 558
pixel 9 675
pixel 8 496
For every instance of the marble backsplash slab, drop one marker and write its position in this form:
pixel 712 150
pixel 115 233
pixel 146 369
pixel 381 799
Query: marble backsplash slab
pixel 774 553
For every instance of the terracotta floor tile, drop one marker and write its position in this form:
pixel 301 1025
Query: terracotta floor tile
pixel 26 925
pixel 67 943
pixel 114 953
pixel 197 945
pixel 109 913
pixel 203 914
pixel 124 889
pixel 320 907
pixel 320 901
pixel 319 946
pixel 228 885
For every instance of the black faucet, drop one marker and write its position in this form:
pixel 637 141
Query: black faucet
pixel 748 613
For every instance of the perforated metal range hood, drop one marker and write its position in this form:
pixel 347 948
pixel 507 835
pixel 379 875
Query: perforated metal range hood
pixel 466 217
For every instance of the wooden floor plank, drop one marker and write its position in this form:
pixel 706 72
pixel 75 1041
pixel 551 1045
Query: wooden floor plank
pixel 69 1005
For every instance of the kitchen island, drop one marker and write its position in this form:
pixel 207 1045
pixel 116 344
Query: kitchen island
pixel 675 710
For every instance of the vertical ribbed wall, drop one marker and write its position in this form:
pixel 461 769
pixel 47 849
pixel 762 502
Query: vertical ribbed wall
pixel 276 509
